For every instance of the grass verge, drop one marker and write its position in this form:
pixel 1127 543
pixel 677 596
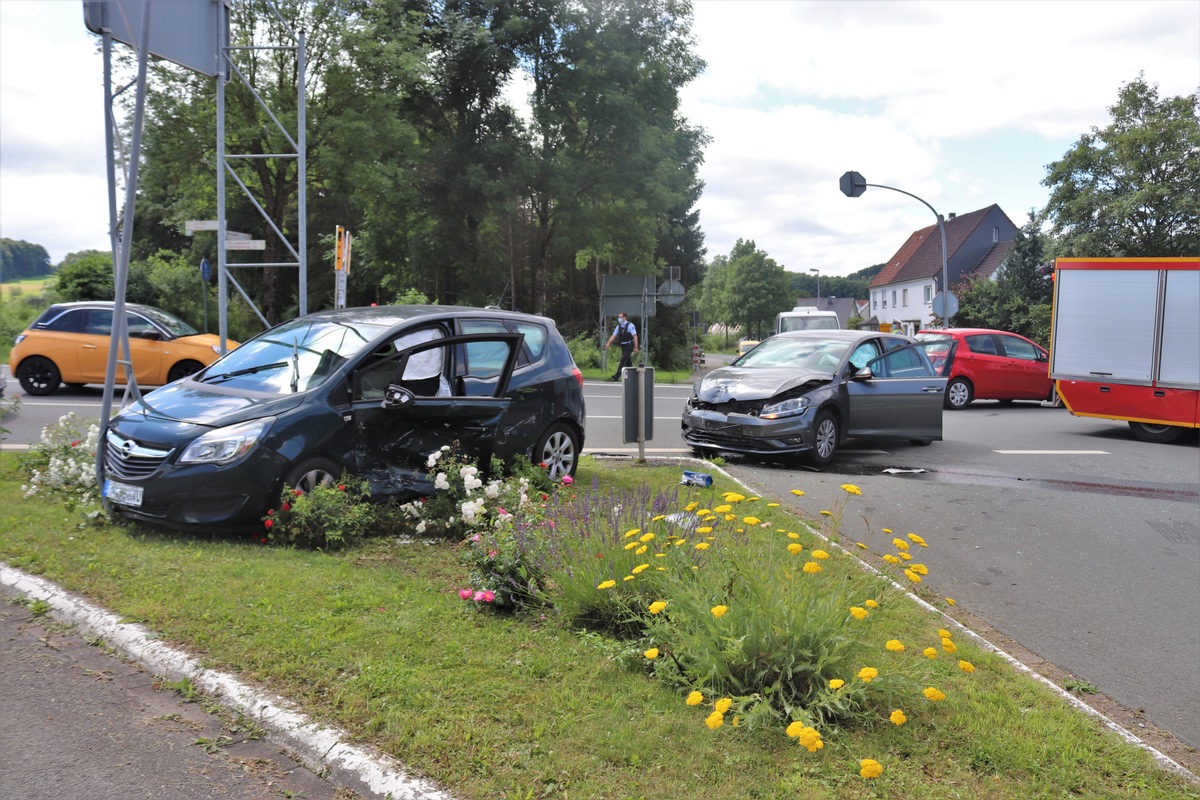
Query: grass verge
pixel 376 641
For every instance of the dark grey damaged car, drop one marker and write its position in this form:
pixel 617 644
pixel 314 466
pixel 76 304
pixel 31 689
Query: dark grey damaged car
pixel 806 393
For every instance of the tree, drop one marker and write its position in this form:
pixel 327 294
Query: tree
pixel 20 260
pixel 1019 298
pixel 756 289
pixel 1133 188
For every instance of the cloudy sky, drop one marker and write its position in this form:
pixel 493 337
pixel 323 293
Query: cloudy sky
pixel 960 102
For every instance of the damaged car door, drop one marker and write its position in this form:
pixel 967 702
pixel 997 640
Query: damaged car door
pixel 397 425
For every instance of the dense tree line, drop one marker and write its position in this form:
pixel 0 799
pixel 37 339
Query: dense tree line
pixel 449 187
pixel 20 260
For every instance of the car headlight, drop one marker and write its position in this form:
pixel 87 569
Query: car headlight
pixel 216 348
pixel 20 338
pixel 226 444
pixel 785 408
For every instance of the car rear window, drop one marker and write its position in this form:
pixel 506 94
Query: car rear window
pixel 982 343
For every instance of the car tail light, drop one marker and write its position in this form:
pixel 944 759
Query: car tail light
pixel 578 376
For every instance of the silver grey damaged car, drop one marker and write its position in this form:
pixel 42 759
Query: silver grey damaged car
pixel 808 392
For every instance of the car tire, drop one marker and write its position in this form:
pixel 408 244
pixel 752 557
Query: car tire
pixel 825 439
pixel 1160 434
pixel 183 369
pixel 959 394
pixel 311 473
pixel 558 448
pixel 920 442
pixel 39 376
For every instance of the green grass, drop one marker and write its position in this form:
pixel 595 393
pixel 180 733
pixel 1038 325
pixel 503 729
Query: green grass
pixel 376 641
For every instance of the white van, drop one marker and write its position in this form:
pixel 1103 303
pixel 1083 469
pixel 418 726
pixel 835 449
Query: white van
pixel 806 318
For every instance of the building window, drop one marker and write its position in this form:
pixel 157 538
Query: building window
pixel 885 301
pixel 893 298
pixel 904 296
pixel 996 233
pixel 875 301
pixel 928 294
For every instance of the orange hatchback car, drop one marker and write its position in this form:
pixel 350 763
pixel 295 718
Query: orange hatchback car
pixel 69 344
pixel 983 364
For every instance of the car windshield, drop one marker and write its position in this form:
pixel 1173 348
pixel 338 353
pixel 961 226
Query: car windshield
pixel 934 337
pixel 807 323
pixel 293 357
pixel 796 353
pixel 171 323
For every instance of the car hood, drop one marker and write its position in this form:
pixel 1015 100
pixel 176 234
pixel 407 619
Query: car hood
pixel 193 403
pixel 741 383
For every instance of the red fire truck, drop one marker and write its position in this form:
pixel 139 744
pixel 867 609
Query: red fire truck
pixel 1125 342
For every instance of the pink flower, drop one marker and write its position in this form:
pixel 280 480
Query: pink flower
pixel 493 553
pixel 268 523
pixel 465 594
pixel 488 596
pixel 568 480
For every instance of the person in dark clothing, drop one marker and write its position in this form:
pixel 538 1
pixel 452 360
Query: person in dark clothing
pixel 625 335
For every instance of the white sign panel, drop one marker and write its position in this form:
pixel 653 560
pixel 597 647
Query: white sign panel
pixel 245 244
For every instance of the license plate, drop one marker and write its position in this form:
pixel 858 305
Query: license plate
pixel 123 493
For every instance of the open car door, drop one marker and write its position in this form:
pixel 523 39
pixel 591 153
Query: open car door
pixel 898 395
pixel 395 429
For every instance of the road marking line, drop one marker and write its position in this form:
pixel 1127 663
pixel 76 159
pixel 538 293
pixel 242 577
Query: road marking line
pixel 1053 452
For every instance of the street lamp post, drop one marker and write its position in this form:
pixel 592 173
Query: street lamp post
pixel 945 305
pixel 818 286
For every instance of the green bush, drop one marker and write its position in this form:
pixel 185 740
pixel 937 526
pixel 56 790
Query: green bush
pixel 585 351
pixel 329 517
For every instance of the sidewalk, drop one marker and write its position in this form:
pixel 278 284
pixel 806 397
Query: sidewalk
pixel 84 716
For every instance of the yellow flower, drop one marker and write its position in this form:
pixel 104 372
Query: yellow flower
pixel 912 537
pixel 870 768
pixel 899 544
pixel 606 584
pixel 825 513
pixel 628 578
pixel 715 720
pixel 752 499
pixel 905 556
pixel 733 497
pixel 891 559
pixel 702 545
pixel 836 683
pixel 772 505
pixel 704 529
pixel 793 730
pixel 810 739
pixel 933 694
pixel 695 698
pixel 793 535
pixel 658 606
pixel 949 601
pixel 641 551
pixel 723 704
pixel 719 611
pixel 821 554
pixel 631 545
pixel 858 612
pixel 736 721
pixel 798 492
pixel 725 509
pixel 888 531
pixel 949 646
pixel 966 666
pixel 730 517
pixel 912 576
pixel 860 544
pixel 945 634
pixel 870 604
pixel 658 517
pixel 704 512
pixel 897 717
pixel 692 506
pixel 651 654
pixel 868 674
pixel 714 517
pixel 811 567
pixel 895 645
pixel 751 521
pixel 850 488
pixel 640 568
pixel 930 653
pixel 646 537
pixel 794 549
pixel 920 569
pixel 633 532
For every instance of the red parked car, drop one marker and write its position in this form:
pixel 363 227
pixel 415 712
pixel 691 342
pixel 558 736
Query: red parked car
pixel 982 364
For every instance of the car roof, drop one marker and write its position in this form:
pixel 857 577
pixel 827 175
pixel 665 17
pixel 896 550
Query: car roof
pixel 106 304
pixel 393 315
pixel 966 331
pixel 847 335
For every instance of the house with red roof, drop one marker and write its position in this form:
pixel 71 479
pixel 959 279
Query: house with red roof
pixel 903 291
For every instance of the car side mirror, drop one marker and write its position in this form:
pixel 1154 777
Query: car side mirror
pixel 153 335
pixel 864 374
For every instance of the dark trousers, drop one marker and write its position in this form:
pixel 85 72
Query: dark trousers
pixel 626 360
